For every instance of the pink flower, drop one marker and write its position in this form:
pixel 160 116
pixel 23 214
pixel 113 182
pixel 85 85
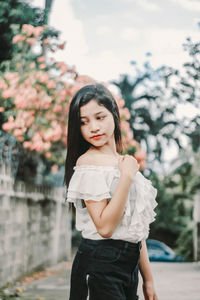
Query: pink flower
pixel 134 143
pixel 45 101
pixel 18 38
pixel 27 144
pixel 10 119
pixel 3 85
pixel 28 29
pixel 42 77
pixel 124 113
pixel 121 103
pixel 30 121
pixel 38 30
pixel 8 93
pixel 57 108
pixel 62 46
pixel 51 84
pixel 17 132
pixel 20 138
pixel 12 76
pixel 41 59
pixel 45 42
pixel 50 116
pixel 75 88
pixel 63 67
pixel 57 134
pixel 32 65
pixel 48 134
pixel 42 66
pixel 31 41
pixel 125 126
pixel 85 79
pixel 8 126
pixel 140 155
pixel 129 136
pixel 2 109
pixel 142 164
pixel 31 112
pixel 54 168
pixel 20 101
pixel 46 146
pixel 47 154
pixel 127 113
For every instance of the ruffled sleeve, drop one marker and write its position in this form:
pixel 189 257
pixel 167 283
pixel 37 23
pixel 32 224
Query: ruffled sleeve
pixel 145 193
pixel 88 183
pixel 145 204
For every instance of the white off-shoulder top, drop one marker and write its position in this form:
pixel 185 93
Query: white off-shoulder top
pixel 99 182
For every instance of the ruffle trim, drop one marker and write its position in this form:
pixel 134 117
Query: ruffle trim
pixel 137 224
pixel 75 196
pixel 93 183
pixel 94 167
pixel 88 183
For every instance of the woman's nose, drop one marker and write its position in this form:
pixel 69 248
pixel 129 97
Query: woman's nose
pixel 94 126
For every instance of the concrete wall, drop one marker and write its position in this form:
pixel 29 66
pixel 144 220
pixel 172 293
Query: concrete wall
pixel 35 227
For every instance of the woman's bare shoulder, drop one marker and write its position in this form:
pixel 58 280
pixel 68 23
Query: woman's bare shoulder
pixel 89 158
pixel 85 159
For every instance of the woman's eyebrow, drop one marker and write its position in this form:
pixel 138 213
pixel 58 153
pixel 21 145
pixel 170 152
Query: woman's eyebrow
pixel 98 113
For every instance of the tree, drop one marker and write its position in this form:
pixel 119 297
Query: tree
pixel 35 101
pixel 13 14
pixel 175 198
pixel 152 97
pixel 187 90
pixel 152 114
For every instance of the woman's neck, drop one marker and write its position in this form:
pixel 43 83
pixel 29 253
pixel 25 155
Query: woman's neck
pixel 105 151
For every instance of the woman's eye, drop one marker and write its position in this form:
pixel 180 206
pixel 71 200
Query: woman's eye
pixel 100 117
pixel 82 122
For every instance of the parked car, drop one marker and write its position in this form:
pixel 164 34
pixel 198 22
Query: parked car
pixel 159 251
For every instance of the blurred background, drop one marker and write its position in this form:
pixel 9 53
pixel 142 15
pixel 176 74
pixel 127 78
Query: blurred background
pixel 148 54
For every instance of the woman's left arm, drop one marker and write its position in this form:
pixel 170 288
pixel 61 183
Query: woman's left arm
pixel 145 270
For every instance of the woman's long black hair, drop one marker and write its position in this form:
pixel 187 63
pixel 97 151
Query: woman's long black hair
pixel 76 145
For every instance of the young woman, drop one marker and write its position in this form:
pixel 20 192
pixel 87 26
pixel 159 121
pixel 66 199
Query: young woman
pixel 114 203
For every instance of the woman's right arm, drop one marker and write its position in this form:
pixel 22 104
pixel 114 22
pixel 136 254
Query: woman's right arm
pixel 106 216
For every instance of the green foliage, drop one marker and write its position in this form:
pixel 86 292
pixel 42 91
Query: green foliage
pixel 153 121
pixel 185 243
pixel 152 97
pixel 131 150
pixel 175 203
pixel 171 213
pixel 187 91
pixel 13 14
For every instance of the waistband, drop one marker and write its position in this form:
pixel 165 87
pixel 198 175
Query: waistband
pixel 111 242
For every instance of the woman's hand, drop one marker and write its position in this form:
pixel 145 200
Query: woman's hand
pixel 149 291
pixel 128 166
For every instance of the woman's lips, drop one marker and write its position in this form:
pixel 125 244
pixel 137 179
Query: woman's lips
pixel 97 137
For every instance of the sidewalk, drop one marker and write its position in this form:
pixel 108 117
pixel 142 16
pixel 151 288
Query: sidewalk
pixel 54 285
pixel 174 281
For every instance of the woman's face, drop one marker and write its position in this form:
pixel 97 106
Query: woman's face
pixel 97 124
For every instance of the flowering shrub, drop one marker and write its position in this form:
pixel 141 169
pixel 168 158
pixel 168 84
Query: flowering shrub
pixel 35 99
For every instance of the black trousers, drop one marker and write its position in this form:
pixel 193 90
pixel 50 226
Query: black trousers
pixel 105 270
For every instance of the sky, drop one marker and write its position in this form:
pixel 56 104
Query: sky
pixel 103 37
